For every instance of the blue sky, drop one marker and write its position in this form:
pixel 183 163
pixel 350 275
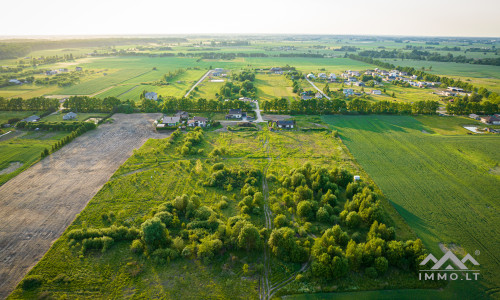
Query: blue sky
pixel 375 17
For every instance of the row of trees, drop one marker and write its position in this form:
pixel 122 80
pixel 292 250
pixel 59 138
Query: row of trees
pixel 31 104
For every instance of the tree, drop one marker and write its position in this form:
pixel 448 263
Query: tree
pixel 249 237
pixel 353 219
pixel 280 221
pixel 354 254
pixel 154 233
pixel 322 215
pixel 381 265
pixel 305 210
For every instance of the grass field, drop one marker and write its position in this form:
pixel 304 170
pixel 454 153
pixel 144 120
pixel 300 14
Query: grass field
pixel 441 182
pixel 25 148
pixel 273 86
pixel 6 115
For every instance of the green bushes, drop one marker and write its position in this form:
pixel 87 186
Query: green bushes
pixel 31 282
pixel 98 243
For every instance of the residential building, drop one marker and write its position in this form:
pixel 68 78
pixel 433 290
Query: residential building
pixel 332 77
pixel 151 96
pixel 348 92
pixel 311 76
pixel 322 75
pixel 490 120
pixel 474 116
pixel 376 92
pixel 15 81
pixel 183 115
pixel 285 124
pixel 78 69
pixel 318 95
pixel 171 121
pixel 197 121
pixel 33 118
pixel 235 114
pixel 69 116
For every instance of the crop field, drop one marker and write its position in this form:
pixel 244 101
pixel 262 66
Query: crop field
pixel 440 180
pixel 156 173
pixel 273 86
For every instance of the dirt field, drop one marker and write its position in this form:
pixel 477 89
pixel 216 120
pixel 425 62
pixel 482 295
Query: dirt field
pixel 37 205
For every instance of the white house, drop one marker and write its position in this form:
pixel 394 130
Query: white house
pixel 171 121
pixel 311 76
pixel 197 121
pixel 15 81
pixel 322 75
pixel 332 77
pixel 69 116
pixel 348 92
pixel 151 96
pixel 234 114
pixel 376 92
pixel 474 116
pixel 318 95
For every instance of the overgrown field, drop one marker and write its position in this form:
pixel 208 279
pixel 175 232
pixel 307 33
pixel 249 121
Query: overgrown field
pixel 444 183
pixel 273 86
pixel 290 190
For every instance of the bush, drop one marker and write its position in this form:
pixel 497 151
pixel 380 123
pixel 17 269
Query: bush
pixel 371 272
pixel 31 282
pixel 137 246
pixel 381 264
pixel 353 220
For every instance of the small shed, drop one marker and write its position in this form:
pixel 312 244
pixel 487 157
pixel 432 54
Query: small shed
pixel 357 178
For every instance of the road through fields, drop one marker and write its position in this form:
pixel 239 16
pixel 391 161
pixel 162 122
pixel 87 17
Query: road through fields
pixel 37 205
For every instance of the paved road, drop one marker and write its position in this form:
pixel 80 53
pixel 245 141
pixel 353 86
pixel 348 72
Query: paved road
pixel 199 81
pixel 257 112
pixel 37 205
pixel 314 86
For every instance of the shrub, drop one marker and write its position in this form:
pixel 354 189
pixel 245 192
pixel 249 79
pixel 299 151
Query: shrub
pixel 381 264
pixel 371 272
pixel 31 282
pixel 154 233
pixel 353 219
pixel 137 246
pixel 305 210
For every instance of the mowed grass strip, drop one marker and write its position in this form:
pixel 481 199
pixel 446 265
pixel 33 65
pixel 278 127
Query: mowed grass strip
pixel 442 185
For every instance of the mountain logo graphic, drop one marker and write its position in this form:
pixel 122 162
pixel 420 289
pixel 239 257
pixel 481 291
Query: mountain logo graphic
pixel 449 258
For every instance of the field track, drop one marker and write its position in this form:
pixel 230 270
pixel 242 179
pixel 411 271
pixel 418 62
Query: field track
pixel 37 205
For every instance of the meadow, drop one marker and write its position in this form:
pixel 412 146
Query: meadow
pixel 440 180
pixel 273 86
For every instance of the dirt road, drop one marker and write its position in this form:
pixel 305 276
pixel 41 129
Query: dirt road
pixel 38 205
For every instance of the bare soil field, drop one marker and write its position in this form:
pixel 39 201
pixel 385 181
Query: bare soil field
pixel 38 205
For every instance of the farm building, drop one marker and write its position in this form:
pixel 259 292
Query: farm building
pixel 494 120
pixel 360 83
pixel 474 116
pixel 151 96
pixel 235 114
pixel 182 115
pixel 246 99
pixel 357 178
pixel 276 70
pixel 285 124
pixel 33 118
pixel 69 116
pixel 171 121
pixel 376 92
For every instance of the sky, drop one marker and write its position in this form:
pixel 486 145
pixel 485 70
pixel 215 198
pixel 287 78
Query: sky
pixel 361 17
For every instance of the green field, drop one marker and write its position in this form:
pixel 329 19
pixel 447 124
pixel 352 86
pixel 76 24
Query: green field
pixel 273 86
pixel 6 115
pixel 441 181
pixel 25 148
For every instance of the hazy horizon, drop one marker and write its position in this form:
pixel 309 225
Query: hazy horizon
pixel 426 18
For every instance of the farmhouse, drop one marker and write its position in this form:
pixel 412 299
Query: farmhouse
pixel 455 89
pixel 276 70
pixel 332 77
pixel 33 118
pixel 171 121
pixel 51 72
pixel 182 115
pixel 235 114
pixel 490 120
pixel 376 92
pixel 69 116
pixel 151 96
pixel 197 121
pixel 360 83
pixel 311 76
pixel 474 116
pixel 318 95
pixel 246 99
pixel 285 124
pixel 305 97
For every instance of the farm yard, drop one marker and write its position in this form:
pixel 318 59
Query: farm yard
pixel 441 182
pixel 57 188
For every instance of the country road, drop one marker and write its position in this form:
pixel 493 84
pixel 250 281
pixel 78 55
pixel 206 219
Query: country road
pixel 198 82
pixel 314 86
pixel 37 205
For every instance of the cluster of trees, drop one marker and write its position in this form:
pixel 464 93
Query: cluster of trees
pixel 334 254
pixel 465 106
pixel 61 79
pixel 241 86
pixel 417 54
pixel 33 104
pixel 172 75
pixel 229 179
pixel 91 104
pixel 43 60
pixel 100 239
pixel 172 104
pixel 276 105
pixel 191 140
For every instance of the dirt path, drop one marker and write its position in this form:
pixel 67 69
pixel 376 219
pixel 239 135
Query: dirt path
pixel 264 282
pixel 198 82
pixel 37 205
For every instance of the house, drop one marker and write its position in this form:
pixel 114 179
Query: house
pixel 318 95
pixel 305 97
pixel 322 75
pixel 403 73
pixel 151 96
pixel 474 116
pixel 15 81
pixel 276 70
pixel 348 92
pixel 171 121
pixel 69 116
pixel 78 69
pixel 33 118
pixel 360 83
pixel 384 73
pixel 376 92
pixel 332 77
pixel 182 115
pixel 357 178
pixel 64 70
pixel 220 70
pixel 448 93
pixel 490 120
pixel 235 114
pixel 197 121
pixel 285 124
pixel 352 79
pixel 353 73
pixel 246 99
pixel 311 76
pixel 414 77
pixel 454 89
pixel 50 72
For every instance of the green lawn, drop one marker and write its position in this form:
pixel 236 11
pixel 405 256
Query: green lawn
pixel 442 185
pixel 273 86
pixel 6 115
